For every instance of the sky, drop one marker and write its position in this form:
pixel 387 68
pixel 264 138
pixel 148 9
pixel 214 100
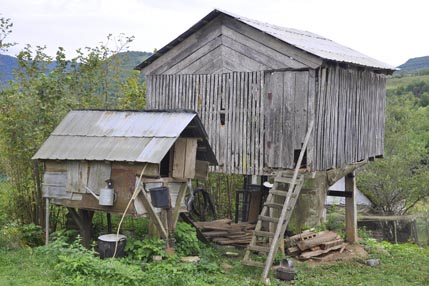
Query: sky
pixel 391 31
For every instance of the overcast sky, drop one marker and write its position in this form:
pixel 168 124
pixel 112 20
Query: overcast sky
pixel 389 30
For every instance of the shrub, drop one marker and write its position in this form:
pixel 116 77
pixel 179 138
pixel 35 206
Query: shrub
pixel 145 249
pixel 187 242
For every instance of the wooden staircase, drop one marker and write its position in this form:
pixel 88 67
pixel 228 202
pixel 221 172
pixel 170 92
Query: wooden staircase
pixel 275 214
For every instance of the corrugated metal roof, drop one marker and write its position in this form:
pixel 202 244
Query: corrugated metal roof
pixel 306 41
pixel 123 123
pixel 315 44
pixel 118 136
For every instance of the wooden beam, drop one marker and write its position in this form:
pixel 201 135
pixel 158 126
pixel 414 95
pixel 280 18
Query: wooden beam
pixel 351 211
pixel 176 209
pixel 339 194
pixel 152 214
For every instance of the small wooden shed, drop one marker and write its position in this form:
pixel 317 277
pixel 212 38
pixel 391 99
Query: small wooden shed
pixel 90 147
pixel 257 86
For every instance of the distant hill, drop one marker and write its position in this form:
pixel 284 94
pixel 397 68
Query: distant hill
pixel 415 64
pixel 7 65
pixel 127 61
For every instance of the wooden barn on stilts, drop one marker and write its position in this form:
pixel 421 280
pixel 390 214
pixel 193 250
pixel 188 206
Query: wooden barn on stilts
pixel 275 102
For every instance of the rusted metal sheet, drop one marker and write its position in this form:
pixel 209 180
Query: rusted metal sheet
pixel 120 136
pixel 96 123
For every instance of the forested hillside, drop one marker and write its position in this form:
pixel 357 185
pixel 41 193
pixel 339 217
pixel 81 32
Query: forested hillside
pixel 126 62
pixel 415 64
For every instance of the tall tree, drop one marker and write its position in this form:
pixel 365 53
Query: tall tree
pixel 43 91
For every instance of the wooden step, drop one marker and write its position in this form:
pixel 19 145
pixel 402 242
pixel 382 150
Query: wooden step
pixel 252 263
pixel 279 193
pixel 274 205
pixel 258 248
pixel 268 218
pixel 263 233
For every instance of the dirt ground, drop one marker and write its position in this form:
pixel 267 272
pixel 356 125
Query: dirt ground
pixel 351 251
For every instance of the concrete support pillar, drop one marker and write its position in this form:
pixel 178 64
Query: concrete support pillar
pixel 351 211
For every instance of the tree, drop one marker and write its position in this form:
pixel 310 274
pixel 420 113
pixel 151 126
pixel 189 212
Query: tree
pixel 43 91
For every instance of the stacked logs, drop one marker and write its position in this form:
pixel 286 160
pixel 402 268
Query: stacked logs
pixel 309 244
pixel 224 232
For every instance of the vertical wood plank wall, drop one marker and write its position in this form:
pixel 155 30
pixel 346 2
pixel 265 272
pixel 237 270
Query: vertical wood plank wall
pixel 230 106
pixel 289 108
pixel 350 114
pixel 255 120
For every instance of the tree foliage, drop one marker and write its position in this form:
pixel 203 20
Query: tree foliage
pixel 43 91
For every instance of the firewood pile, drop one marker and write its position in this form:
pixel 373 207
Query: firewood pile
pixel 311 244
pixel 224 232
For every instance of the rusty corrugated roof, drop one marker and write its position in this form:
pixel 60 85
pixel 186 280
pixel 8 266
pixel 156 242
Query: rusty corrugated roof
pixel 305 41
pixel 120 136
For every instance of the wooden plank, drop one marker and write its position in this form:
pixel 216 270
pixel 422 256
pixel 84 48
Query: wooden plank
pixel 261 114
pixel 77 176
pixel 179 199
pixel 288 119
pixel 194 57
pixel 310 254
pixel 269 41
pixel 205 60
pixel 311 116
pixel 185 48
pixel 239 62
pixel 318 240
pixel 300 109
pixel 190 158
pixel 179 160
pixel 99 172
pixel 265 54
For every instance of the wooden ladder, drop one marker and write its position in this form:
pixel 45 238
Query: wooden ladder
pixel 287 186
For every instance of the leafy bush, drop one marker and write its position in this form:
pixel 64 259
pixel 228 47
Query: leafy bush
pixel 187 242
pixel 14 235
pixel 145 249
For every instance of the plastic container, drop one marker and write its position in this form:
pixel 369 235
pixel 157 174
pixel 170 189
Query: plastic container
pixel 160 197
pixel 106 245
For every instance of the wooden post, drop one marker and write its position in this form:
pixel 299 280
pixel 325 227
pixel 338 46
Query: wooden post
pixel 109 223
pixel 351 211
pixel 47 222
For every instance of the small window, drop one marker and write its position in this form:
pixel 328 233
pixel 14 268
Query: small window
pixel 222 119
pixel 296 156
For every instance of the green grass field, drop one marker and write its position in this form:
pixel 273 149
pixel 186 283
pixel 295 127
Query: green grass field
pixel 395 82
pixel 404 264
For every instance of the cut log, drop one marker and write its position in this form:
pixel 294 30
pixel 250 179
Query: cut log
pixel 321 238
pixel 310 254
pixel 293 251
pixel 329 244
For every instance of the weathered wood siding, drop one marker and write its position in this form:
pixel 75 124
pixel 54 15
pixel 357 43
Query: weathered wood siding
pixel 289 108
pixel 252 126
pixel 230 107
pixel 350 113
pixel 226 45
pixel 256 121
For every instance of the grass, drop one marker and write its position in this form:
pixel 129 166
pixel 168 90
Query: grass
pixel 395 82
pixel 24 267
pixel 404 264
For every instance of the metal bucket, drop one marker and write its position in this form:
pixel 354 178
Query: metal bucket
pixel 106 197
pixel 160 197
pixel 106 245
